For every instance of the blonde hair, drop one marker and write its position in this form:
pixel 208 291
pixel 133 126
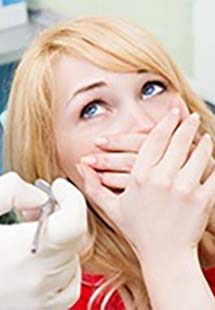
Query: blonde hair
pixel 29 147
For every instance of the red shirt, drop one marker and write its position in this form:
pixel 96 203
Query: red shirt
pixel 90 282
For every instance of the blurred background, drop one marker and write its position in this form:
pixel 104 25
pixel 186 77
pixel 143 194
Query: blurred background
pixel 185 28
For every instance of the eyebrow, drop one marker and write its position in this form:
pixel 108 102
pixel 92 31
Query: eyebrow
pixel 96 85
pixel 89 87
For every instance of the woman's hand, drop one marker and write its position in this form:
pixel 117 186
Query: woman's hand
pixel 164 192
pixel 114 165
pixel 50 278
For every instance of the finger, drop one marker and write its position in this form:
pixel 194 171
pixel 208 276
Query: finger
pixel 209 169
pixel 179 146
pixel 111 161
pixel 209 187
pixel 95 192
pixel 131 143
pixel 114 180
pixel 69 223
pixel 121 143
pixel 194 168
pixel 155 144
pixel 16 193
pixel 211 162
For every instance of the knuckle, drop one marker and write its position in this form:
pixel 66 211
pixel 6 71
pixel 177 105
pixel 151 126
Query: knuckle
pixel 137 180
pixel 159 180
pixel 184 189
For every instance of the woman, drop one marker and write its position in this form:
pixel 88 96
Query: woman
pixel 103 77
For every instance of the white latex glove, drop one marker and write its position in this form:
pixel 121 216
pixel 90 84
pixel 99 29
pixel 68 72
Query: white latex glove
pixel 49 279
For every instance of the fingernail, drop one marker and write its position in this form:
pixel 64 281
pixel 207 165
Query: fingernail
pixel 175 111
pixel 91 160
pixel 207 136
pixel 101 141
pixel 195 116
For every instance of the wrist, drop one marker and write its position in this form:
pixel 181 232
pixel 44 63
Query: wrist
pixel 168 261
pixel 177 282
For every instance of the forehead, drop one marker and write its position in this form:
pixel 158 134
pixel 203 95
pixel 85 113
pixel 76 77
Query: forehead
pixel 71 73
pixel 76 69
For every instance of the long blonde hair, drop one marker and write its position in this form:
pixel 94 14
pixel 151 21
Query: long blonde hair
pixel 29 147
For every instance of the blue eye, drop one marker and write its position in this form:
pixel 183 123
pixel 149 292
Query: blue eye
pixel 151 89
pixel 91 108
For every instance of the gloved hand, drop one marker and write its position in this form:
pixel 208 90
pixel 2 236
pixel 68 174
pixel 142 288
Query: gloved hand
pixel 50 278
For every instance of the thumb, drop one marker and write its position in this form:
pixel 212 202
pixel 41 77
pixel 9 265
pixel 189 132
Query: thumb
pixel 98 194
pixel 69 223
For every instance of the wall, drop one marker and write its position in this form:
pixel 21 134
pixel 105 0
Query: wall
pixel 171 20
pixel 204 44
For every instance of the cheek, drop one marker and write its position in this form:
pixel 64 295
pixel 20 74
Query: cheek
pixel 72 143
pixel 70 149
pixel 159 106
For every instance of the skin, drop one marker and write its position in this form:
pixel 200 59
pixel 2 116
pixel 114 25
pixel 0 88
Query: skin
pixel 128 117
pixel 165 194
pixel 128 110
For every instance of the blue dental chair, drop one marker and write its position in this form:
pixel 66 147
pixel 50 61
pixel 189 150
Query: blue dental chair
pixel 6 74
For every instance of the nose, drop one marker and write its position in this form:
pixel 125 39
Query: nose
pixel 138 121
